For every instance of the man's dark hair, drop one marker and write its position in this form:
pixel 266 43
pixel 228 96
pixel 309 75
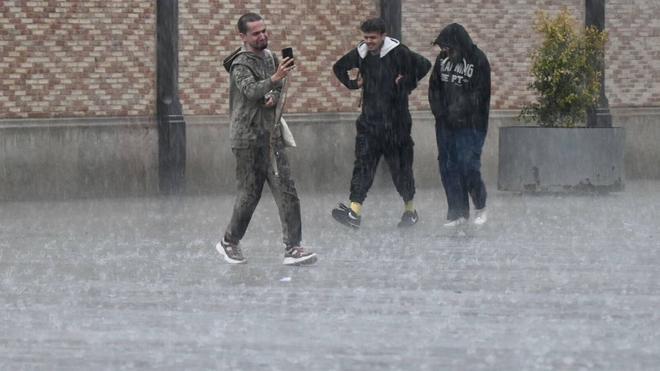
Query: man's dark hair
pixel 373 25
pixel 245 19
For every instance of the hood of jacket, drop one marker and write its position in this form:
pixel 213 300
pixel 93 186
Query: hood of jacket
pixel 388 45
pixel 456 37
pixel 247 58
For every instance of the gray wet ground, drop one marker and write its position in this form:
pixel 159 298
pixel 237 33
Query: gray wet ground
pixel 552 282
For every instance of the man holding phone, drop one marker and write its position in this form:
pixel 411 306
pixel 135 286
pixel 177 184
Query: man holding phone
pixel 256 141
pixel 388 72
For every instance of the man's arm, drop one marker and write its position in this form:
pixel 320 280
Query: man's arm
pixel 418 67
pixel 248 85
pixel 346 63
pixel 422 66
pixel 481 94
pixel 413 68
pixel 435 88
pixel 277 91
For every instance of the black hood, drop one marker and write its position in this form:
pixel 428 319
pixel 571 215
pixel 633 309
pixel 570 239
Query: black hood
pixel 455 37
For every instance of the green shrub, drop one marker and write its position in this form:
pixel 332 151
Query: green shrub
pixel 566 70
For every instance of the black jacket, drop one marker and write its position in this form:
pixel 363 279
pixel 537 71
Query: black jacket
pixel 459 89
pixel 384 103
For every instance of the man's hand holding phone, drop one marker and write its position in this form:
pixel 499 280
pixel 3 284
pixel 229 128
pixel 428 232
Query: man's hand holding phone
pixel 286 65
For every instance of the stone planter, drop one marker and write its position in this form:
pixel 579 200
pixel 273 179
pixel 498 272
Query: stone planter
pixel 538 159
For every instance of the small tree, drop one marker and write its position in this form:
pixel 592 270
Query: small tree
pixel 566 70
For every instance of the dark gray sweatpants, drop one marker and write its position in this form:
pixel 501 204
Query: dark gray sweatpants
pixel 253 169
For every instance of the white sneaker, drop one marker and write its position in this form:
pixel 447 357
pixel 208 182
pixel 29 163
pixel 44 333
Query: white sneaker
pixel 455 223
pixel 480 217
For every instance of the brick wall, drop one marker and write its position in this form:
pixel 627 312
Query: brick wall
pixel 320 31
pixel 504 30
pixel 633 52
pixel 77 58
pixel 97 58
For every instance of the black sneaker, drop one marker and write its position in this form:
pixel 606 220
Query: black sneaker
pixel 344 215
pixel 408 219
pixel 296 255
pixel 231 252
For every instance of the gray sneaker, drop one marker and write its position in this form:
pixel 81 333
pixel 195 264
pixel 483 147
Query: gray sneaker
pixel 231 252
pixel 344 215
pixel 408 219
pixel 296 255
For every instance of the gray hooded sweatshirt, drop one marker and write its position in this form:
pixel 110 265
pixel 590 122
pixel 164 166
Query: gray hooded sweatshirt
pixel 251 122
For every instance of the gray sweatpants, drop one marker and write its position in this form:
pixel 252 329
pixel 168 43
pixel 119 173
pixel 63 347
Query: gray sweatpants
pixel 253 169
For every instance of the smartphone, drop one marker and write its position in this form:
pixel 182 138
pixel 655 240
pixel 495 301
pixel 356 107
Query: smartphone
pixel 287 52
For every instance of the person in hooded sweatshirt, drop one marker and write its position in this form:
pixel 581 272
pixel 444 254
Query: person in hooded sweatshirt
pixel 459 95
pixel 255 86
pixel 387 72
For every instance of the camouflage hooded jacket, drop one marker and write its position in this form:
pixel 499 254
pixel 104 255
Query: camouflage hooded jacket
pixel 251 123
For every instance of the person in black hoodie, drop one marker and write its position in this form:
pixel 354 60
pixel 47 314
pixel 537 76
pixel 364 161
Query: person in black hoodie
pixel 459 94
pixel 388 72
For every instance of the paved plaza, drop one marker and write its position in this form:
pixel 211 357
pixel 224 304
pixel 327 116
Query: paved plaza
pixel 552 282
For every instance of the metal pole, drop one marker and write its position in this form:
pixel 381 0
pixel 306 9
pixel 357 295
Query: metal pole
pixel 171 124
pixel 599 116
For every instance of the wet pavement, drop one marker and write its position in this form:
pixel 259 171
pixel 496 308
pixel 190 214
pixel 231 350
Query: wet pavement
pixel 565 282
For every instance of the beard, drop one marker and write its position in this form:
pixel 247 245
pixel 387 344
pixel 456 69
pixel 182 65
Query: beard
pixel 259 45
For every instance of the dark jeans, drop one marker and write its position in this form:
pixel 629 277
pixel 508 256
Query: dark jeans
pixel 399 157
pixel 459 159
pixel 253 169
